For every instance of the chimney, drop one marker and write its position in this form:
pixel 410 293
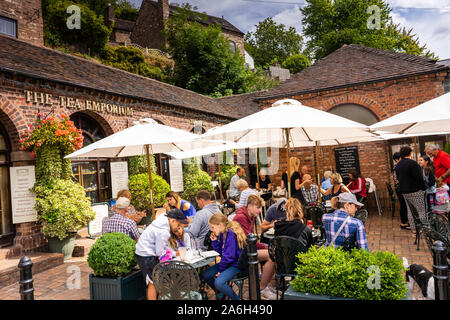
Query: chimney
pixel 109 15
pixel 164 10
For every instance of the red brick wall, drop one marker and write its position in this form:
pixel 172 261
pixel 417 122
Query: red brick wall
pixel 28 14
pixel 384 99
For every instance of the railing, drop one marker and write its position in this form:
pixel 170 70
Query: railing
pixel 148 51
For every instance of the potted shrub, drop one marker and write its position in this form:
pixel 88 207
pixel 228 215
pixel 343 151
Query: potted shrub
pixel 329 273
pixel 113 262
pixel 61 204
pixel 139 187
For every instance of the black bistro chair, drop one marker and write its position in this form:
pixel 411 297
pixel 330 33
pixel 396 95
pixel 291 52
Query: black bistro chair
pixel 314 212
pixel 417 221
pixel 431 236
pixel 439 223
pixel 283 251
pixel 391 195
pixel 176 280
pixel 362 215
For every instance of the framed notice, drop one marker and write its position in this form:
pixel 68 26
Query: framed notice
pixel 22 199
pixel 176 175
pixel 119 177
pixel 347 158
pixel 101 212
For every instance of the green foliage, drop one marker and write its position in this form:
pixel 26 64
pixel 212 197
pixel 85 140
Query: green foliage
pixel 92 37
pixel 62 207
pixel 296 63
pixel 140 191
pixel 272 41
pixel 126 10
pixel 130 59
pixel 334 272
pixel 447 148
pixel 227 172
pixel 112 255
pixel 194 180
pixel 138 165
pixel 331 24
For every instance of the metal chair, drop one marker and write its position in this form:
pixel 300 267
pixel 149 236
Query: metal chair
pixel 314 212
pixel 431 236
pixel 439 223
pixel 238 280
pixel 417 221
pixel 391 195
pixel 362 215
pixel 283 251
pixel 176 280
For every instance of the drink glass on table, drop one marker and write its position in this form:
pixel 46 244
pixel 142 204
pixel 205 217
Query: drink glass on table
pixel 182 252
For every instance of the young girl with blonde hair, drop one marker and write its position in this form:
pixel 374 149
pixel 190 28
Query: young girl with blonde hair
pixel 228 239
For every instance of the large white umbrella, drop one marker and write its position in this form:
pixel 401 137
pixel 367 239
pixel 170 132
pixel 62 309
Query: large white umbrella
pixel 287 123
pixel 430 117
pixel 145 137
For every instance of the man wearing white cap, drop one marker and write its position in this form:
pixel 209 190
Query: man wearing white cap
pixel 341 228
pixel 119 222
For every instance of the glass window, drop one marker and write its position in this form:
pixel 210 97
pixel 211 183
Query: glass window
pixel 356 113
pixel 447 84
pixel 232 46
pixel 8 27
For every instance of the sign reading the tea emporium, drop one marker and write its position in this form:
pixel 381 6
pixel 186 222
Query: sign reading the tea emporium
pixel 77 104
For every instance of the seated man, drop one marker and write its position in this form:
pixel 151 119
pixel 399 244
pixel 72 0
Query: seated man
pixel 245 192
pixel 234 191
pixel 246 217
pixel 336 233
pixel 309 190
pixel 199 226
pixel 276 212
pixel 119 222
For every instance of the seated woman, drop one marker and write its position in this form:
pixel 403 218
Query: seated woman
pixel 294 227
pixel 357 185
pixel 326 184
pixel 341 225
pixel 179 239
pixel 132 213
pixel 174 201
pixel 265 184
pixel 337 186
pixel 228 239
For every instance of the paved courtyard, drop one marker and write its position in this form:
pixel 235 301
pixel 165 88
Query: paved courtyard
pixel 59 283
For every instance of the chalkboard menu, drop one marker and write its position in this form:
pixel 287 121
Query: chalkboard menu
pixel 347 158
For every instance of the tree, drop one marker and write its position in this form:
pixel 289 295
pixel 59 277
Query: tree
pixel 204 62
pixel 331 24
pixel 126 10
pixel 272 41
pixel 91 37
pixel 296 63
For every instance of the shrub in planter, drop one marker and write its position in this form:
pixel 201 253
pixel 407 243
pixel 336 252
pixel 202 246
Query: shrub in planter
pixel 334 272
pixel 140 191
pixel 112 255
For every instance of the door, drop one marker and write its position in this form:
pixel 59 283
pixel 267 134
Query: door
pixel 6 226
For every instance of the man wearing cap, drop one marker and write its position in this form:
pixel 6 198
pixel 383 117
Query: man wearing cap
pixel 275 213
pixel 340 225
pixel 153 244
pixel 119 222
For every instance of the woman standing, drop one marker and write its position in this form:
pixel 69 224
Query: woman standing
pixel 403 208
pixel 411 184
pixel 228 239
pixel 429 178
pixel 296 179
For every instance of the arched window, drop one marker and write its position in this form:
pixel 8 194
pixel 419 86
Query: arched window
pixel 356 113
pixel 232 46
pixel 6 226
pixel 93 175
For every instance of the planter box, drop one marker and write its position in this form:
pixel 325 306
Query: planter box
pixel 291 294
pixel 130 287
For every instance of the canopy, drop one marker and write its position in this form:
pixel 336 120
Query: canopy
pixel 431 117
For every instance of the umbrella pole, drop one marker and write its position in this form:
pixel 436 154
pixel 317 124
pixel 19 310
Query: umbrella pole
pixel 288 164
pixel 415 147
pixel 150 180
pixel 318 169
pixel 257 168
pixel 220 182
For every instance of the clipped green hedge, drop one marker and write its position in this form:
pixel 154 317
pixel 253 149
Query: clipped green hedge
pixel 139 188
pixel 112 255
pixel 335 272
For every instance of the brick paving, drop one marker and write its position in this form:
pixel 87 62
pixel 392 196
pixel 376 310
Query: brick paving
pixel 383 233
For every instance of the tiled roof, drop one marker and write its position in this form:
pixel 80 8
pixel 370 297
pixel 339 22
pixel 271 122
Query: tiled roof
pixel 353 65
pixel 19 57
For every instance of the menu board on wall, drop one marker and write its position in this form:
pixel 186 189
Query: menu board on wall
pixel 22 199
pixel 176 175
pixel 119 177
pixel 347 158
pixel 95 226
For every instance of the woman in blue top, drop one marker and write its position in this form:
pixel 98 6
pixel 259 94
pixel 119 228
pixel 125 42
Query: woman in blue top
pixel 174 201
pixel 228 239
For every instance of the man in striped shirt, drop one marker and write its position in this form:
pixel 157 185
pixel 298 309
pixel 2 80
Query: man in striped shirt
pixel 353 230
pixel 119 222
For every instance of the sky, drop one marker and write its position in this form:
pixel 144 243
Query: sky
pixel 429 19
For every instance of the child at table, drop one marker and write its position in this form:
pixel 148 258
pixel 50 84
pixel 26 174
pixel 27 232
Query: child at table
pixel 228 239
pixel 179 239
pixel 441 193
